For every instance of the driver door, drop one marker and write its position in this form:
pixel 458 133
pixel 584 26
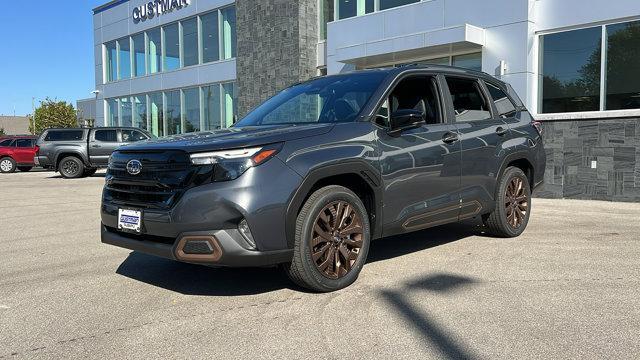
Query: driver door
pixel 421 166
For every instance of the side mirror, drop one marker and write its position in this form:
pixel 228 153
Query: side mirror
pixel 406 119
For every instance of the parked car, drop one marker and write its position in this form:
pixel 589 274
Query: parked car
pixel 315 173
pixel 79 152
pixel 17 152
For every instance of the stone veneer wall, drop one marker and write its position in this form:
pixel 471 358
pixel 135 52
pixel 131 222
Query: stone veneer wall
pixel 572 146
pixel 276 47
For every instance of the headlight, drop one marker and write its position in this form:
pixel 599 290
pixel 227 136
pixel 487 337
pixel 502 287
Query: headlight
pixel 230 164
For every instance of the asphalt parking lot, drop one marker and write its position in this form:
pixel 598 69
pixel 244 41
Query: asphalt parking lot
pixel 568 288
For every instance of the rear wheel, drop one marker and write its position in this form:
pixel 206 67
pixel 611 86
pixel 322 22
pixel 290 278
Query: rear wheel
pixel 513 205
pixel 25 168
pixel 331 241
pixel 71 167
pixel 7 165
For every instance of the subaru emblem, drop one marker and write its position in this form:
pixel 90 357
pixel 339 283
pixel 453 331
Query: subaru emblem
pixel 134 167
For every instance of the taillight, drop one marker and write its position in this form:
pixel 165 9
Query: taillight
pixel 538 126
pixel 37 149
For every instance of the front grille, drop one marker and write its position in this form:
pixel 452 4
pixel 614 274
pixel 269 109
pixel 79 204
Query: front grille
pixel 164 177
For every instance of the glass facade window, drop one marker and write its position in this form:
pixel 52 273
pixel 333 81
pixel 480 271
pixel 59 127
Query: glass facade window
pixel 351 8
pixel 139 111
pixel 326 16
pixel 111 61
pixel 388 4
pixel 212 106
pixel 210 37
pixel 112 112
pixel 139 68
pixel 570 71
pixel 171 47
pixel 229 103
pixel 124 59
pixel 229 39
pixel 190 42
pixel 173 112
pixel 156 114
pixel 125 112
pixel 191 111
pixel 468 61
pixel 623 68
pixel 154 48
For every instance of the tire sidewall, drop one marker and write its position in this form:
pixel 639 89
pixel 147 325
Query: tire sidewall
pixel 75 175
pixel 12 162
pixel 307 224
pixel 506 179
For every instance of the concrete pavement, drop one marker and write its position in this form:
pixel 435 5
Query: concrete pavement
pixel 568 288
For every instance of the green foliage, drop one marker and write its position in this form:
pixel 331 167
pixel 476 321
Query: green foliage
pixel 53 114
pixel 2 132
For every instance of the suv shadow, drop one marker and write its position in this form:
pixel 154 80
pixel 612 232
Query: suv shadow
pixel 189 279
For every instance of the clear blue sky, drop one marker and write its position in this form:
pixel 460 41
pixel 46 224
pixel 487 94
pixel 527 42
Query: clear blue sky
pixel 46 51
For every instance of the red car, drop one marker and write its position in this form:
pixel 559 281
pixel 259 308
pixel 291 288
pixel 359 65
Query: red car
pixel 17 152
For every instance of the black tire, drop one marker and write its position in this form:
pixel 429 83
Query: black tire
pixel 89 172
pixel 303 270
pixel 71 167
pixel 25 168
pixel 7 165
pixel 499 223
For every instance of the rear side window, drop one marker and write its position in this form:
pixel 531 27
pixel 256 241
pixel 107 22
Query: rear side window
pixel 133 136
pixel 24 143
pixel 468 102
pixel 503 104
pixel 64 135
pixel 6 142
pixel 106 135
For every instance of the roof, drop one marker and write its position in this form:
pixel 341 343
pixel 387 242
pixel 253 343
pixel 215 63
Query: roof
pixel 108 6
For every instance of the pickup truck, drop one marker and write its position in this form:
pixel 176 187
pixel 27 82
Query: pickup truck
pixel 76 153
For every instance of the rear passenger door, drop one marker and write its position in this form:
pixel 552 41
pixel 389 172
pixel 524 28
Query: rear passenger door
pixel 481 135
pixel 101 144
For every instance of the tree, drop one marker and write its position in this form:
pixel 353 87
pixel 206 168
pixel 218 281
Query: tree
pixel 2 132
pixel 53 113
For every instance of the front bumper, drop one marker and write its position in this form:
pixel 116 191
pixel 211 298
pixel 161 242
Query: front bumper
pixel 228 249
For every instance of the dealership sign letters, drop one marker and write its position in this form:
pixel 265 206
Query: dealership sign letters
pixel 157 8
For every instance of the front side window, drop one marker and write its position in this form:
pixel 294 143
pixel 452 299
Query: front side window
pixel 171 47
pixel 415 93
pixel 24 143
pixel 6 143
pixel 129 136
pixel 623 69
pixel 324 100
pixel 106 135
pixel 468 102
pixel 351 8
pixel 190 41
pixel 570 70
pixel 502 102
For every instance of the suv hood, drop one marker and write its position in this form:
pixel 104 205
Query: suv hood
pixel 230 138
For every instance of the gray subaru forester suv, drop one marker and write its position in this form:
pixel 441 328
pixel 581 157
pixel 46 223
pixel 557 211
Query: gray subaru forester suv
pixel 310 177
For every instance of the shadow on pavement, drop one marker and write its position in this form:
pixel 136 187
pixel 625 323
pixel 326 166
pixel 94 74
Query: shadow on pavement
pixel 96 175
pixel 191 279
pixel 428 329
pixel 400 245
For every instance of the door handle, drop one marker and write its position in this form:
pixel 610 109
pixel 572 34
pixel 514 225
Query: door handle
pixel 501 131
pixel 450 137
pixel 95 146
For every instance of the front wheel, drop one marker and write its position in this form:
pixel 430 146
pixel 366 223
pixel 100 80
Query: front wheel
pixel 71 167
pixel 7 165
pixel 513 205
pixel 331 241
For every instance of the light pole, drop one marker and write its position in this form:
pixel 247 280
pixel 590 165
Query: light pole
pixel 33 114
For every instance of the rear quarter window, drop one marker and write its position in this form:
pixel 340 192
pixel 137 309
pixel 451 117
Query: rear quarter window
pixel 6 142
pixel 64 135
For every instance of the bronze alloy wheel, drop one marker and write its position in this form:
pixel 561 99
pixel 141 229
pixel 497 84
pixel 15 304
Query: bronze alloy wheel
pixel 516 202
pixel 337 238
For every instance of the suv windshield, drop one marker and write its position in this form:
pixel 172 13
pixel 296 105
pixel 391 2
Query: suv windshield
pixel 332 99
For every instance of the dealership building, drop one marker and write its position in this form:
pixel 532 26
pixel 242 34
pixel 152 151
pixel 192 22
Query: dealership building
pixel 176 66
